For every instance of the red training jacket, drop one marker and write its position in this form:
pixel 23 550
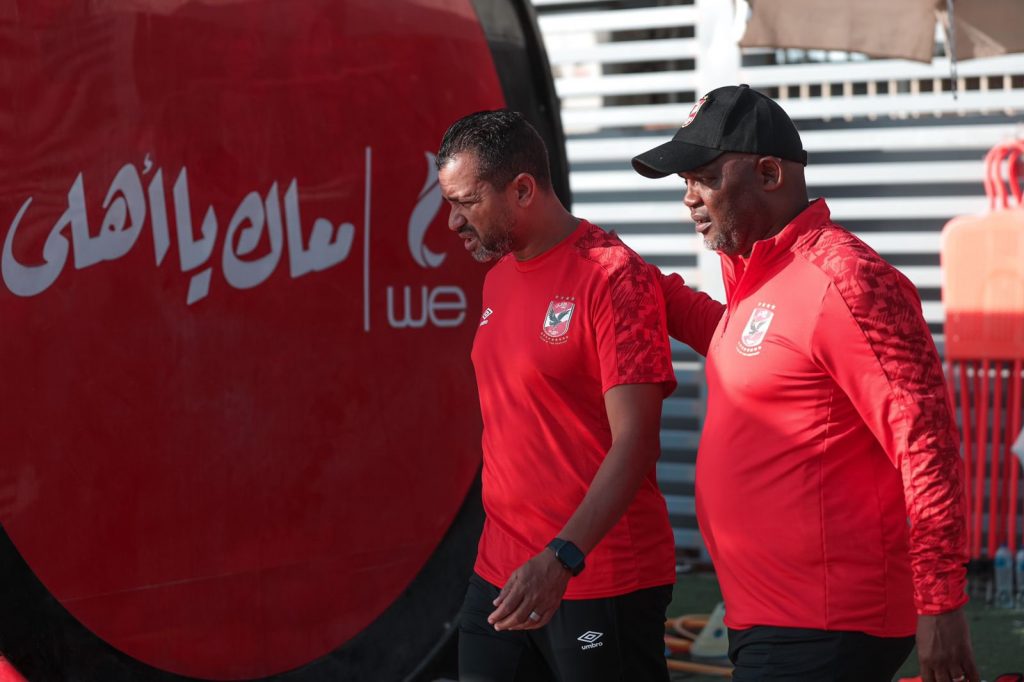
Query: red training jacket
pixel 828 424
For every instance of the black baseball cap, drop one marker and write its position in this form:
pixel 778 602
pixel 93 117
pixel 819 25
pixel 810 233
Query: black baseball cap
pixel 734 118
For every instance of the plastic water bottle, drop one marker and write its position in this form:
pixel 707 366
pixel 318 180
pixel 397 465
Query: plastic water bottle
pixel 1018 566
pixel 1003 566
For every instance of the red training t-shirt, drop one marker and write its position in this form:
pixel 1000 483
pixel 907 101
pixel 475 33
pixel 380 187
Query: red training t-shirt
pixel 556 332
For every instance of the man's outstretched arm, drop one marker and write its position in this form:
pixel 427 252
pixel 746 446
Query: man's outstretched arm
pixel 691 316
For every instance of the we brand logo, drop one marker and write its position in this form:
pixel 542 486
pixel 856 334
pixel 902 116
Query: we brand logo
pixel 590 640
pixel 441 306
pixel 427 204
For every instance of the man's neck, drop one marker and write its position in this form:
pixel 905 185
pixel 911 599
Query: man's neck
pixel 779 223
pixel 547 232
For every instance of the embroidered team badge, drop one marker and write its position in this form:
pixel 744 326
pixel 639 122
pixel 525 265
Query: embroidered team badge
pixel 755 329
pixel 557 319
pixel 693 111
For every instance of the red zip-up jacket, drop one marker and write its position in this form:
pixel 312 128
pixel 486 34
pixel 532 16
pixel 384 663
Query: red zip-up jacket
pixel 828 425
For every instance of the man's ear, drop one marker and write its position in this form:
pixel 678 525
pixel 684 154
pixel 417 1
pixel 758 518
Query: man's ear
pixel 525 187
pixel 770 172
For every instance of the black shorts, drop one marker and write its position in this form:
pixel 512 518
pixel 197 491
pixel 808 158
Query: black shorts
pixel 765 653
pixel 616 639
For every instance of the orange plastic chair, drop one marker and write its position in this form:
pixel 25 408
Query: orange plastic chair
pixel 983 295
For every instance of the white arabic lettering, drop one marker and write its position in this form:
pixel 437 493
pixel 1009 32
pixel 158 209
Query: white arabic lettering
pixel 127 208
pixel 324 251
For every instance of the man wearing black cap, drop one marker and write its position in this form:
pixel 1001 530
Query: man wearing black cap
pixel 828 422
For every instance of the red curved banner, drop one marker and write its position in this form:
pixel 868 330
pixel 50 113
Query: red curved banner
pixel 237 409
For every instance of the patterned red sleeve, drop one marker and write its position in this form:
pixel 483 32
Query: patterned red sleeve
pixel 692 316
pixel 898 387
pixel 631 334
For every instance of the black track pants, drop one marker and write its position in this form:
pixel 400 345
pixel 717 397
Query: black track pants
pixel 616 639
pixel 770 654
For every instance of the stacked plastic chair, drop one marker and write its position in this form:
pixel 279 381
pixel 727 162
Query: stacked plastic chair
pixel 983 295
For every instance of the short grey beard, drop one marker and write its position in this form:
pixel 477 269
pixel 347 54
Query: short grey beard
pixel 482 255
pixel 494 250
pixel 719 245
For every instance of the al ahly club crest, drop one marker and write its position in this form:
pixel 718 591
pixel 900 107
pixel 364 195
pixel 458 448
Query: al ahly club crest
pixel 693 111
pixel 756 328
pixel 557 319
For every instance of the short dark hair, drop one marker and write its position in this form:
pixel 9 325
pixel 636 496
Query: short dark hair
pixel 504 143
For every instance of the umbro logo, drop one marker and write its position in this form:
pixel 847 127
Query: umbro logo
pixel 483 318
pixel 589 639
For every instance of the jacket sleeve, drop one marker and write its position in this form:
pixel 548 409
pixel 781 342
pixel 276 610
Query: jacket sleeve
pixel 872 338
pixel 692 316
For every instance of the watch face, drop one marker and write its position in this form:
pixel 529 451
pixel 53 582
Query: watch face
pixel 569 555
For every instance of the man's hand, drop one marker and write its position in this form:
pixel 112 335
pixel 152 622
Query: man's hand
pixel 944 648
pixel 535 587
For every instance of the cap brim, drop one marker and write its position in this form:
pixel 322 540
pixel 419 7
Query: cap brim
pixel 673 157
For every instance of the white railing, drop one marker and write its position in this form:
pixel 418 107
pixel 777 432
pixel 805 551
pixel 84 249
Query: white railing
pixel 918 138
pixel 670 16
pixel 625 52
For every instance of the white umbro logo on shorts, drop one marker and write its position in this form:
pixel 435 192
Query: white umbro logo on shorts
pixel 589 639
